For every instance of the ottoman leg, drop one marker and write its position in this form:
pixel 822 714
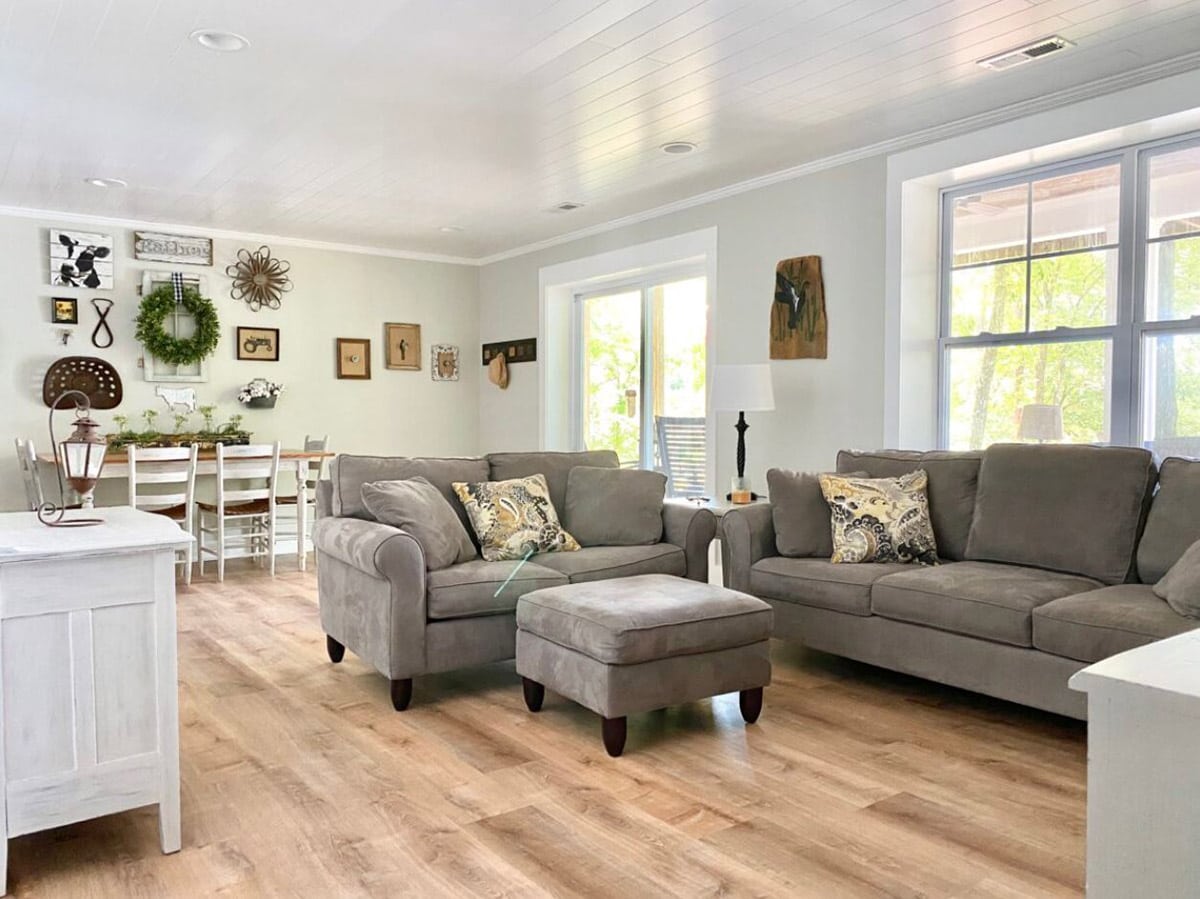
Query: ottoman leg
pixel 335 649
pixel 535 693
pixel 751 703
pixel 613 731
pixel 401 693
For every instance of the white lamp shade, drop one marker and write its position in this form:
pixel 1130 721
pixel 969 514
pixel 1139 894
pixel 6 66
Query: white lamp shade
pixel 1041 422
pixel 743 388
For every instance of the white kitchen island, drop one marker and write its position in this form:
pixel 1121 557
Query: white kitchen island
pixel 88 672
pixel 1143 813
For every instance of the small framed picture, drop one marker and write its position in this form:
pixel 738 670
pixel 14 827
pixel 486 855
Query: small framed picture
pixel 354 358
pixel 443 362
pixel 402 346
pixel 261 344
pixel 64 311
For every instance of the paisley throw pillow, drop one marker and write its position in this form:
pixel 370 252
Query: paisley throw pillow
pixel 880 519
pixel 513 518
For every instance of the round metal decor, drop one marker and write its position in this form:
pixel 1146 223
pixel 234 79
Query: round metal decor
pixel 259 278
pixel 87 374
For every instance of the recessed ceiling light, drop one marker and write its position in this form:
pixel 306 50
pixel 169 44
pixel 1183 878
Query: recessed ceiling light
pixel 678 147
pixel 219 41
pixel 450 229
pixel 106 182
pixel 568 206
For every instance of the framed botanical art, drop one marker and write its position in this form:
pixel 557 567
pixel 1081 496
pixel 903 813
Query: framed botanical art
pixel 81 259
pixel 354 358
pixel 443 362
pixel 261 344
pixel 64 311
pixel 402 345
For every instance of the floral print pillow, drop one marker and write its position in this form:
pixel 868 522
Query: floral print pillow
pixel 513 519
pixel 880 519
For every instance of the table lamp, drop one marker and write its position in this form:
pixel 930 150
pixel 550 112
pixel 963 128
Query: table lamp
pixel 1041 422
pixel 742 389
pixel 80 456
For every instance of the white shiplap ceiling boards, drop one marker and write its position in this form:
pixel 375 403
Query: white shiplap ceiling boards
pixel 376 123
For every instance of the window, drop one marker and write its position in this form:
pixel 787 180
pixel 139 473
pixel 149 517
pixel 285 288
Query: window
pixel 641 374
pixel 1071 304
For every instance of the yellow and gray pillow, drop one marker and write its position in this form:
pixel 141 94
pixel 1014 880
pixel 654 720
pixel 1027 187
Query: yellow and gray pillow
pixel 880 519
pixel 514 518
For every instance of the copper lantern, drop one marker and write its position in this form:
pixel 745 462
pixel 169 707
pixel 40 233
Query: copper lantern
pixel 78 459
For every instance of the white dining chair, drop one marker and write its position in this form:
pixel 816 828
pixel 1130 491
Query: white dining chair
pixel 27 462
pixel 174 466
pixel 242 514
pixel 315 469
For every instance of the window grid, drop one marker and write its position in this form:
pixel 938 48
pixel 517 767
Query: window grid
pixel 1131 331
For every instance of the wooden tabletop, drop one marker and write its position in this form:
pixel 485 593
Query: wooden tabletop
pixel 205 455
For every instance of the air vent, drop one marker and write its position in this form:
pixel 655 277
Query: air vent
pixel 566 207
pixel 1021 55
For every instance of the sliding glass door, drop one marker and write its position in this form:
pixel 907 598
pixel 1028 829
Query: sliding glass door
pixel 641 376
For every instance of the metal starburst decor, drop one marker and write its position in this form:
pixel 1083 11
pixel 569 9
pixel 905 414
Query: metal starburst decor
pixel 259 278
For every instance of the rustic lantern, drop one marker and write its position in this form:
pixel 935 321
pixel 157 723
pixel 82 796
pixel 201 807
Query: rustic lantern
pixel 79 458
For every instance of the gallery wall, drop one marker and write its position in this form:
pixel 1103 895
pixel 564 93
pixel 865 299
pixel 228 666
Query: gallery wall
pixel 335 294
pixel 821 405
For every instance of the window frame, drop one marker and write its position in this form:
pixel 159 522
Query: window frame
pixel 1129 330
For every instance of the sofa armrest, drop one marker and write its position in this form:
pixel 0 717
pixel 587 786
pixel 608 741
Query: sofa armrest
pixel 692 528
pixel 747 535
pixel 371 589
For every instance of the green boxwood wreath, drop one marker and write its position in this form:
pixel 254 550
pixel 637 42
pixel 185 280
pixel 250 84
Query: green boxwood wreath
pixel 155 308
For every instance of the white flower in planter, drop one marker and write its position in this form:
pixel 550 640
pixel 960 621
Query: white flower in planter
pixel 259 388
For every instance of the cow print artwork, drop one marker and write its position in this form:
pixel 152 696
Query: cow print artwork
pixel 80 259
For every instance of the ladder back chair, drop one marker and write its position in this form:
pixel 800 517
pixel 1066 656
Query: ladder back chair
pixel 27 462
pixel 242 514
pixel 174 466
pixel 315 469
pixel 681 453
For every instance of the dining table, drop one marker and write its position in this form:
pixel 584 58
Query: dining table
pixel 299 461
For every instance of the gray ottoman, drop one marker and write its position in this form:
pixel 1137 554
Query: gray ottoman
pixel 642 643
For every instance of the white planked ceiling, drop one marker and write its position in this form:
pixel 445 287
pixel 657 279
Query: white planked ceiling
pixel 377 122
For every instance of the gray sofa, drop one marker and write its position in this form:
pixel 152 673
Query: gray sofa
pixel 1049 555
pixel 378 600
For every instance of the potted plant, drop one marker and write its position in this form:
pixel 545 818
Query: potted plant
pixel 260 394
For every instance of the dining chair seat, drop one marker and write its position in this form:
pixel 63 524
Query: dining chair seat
pixel 286 500
pixel 233 510
pixel 175 513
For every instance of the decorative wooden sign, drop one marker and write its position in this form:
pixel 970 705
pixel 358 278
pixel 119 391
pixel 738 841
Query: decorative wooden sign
pixel 512 350
pixel 173 248
pixel 799 328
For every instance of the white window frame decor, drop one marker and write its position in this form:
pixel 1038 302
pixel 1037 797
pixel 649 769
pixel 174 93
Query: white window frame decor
pixel 1130 329
pixel 156 370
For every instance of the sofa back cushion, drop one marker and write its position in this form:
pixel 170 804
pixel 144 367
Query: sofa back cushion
pixel 953 480
pixel 416 506
pixel 1174 521
pixel 349 473
pixel 614 506
pixel 1077 509
pixel 555 466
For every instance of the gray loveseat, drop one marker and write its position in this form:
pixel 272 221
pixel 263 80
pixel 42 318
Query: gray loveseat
pixel 1049 556
pixel 378 600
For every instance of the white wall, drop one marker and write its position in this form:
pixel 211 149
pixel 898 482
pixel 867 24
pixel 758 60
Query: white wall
pixel 336 294
pixel 821 405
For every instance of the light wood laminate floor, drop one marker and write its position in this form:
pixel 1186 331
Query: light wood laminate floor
pixel 300 780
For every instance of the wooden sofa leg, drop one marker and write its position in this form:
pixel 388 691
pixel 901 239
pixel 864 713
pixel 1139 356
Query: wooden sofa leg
pixel 335 649
pixel 535 694
pixel 751 702
pixel 401 693
pixel 613 731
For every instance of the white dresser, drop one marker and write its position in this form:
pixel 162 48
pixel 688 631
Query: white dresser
pixel 88 672
pixel 1143 814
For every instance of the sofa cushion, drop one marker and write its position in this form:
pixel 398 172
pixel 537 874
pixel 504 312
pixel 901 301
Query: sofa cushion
pixel 1076 509
pixel 1101 623
pixel 418 507
pixel 1180 586
pixel 555 466
pixel 819 582
pixel 979 599
pixel 594 563
pixel 953 479
pixel 349 473
pixel 800 513
pixel 642 619
pixel 469 589
pixel 1174 521
pixel 614 506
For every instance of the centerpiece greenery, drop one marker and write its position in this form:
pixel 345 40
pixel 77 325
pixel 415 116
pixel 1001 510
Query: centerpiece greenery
pixel 208 436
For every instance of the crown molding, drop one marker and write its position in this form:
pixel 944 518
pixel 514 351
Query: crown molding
pixel 224 234
pixel 1047 102
pixel 1178 65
